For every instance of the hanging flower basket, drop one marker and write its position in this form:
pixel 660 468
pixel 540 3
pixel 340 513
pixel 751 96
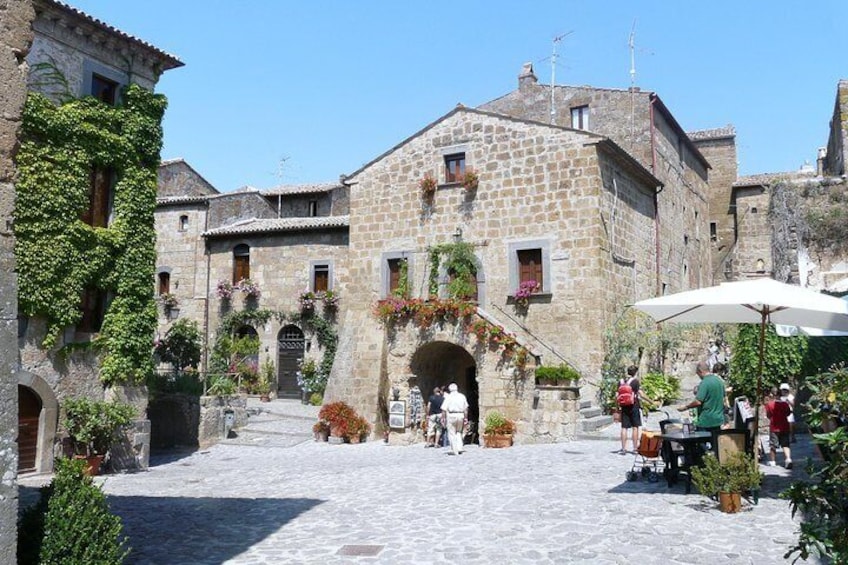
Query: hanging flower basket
pixel 470 180
pixel 427 185
pixel 249 288
pixel 224 290
pixel 307 301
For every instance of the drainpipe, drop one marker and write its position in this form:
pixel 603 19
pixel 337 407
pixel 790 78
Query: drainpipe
pixel 206 252
pixel 657 249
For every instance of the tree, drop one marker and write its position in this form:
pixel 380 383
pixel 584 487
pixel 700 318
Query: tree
pixel 181 346
pixel 783 359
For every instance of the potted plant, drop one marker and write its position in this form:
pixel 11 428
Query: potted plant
pixel 93 426
pixel 358 430
pixel 330 300
pixel 523 293
pixel 263 384
pixel 307 301
pixel 340 416
pixel 224 290
pixel 427 186
pixel 249 288
pixel 727 480
pixel 470 180
pixel 498 430
pixel 321 429
pixel 169 300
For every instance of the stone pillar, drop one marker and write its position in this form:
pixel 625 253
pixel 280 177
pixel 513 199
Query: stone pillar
pixel 15 38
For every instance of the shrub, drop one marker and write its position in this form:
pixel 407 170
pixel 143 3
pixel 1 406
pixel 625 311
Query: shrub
pixel 660 388
pixel 740 473
pixel 222 385
pixel 561 373
pixel 78 527
pixel 181 345
pixel 316 399
pixel 93 425
pixel 497 424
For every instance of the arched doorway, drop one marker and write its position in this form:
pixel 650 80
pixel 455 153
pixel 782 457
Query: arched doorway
pixel 29 413
pixel 290 348
pixel 440 363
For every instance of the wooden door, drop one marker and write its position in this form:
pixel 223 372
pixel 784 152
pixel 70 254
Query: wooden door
pixel 290 345
pixel 29 410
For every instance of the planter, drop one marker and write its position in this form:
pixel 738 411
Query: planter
pixel 498 441
pixel 92 464
pixel 353 439
pixel 264 398
pixel 730 502
pixel 322 436
pixel 337 431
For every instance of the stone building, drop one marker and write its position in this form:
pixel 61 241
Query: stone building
pixel 287 240
pixel 15 39
pixel 75 55
pixel 565 207
pixel 640 123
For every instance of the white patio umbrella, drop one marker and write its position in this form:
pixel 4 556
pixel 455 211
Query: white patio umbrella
pixel 791 331
pixel 755 301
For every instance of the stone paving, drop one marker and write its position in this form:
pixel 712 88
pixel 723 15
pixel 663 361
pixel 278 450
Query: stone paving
pixel 273 495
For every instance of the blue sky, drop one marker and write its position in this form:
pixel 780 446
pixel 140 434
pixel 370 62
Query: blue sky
pixel 280 92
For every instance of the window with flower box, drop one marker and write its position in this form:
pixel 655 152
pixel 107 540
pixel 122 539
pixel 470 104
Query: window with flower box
pixel 392 266
pixel 530 261
pixel 321 278
pixel 241 263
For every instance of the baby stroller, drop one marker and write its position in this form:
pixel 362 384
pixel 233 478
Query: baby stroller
pixel 648 459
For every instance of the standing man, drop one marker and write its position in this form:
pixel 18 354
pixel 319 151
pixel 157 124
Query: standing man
pixel 786 395
pixel 709 400
pixel 455 408
pixel 434 417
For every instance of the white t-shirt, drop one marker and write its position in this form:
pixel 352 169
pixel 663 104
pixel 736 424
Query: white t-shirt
pixel 455 402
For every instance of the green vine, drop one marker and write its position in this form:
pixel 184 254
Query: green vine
pixel 323 329
pixel 460 263
pixel 402 290
pixel 58 255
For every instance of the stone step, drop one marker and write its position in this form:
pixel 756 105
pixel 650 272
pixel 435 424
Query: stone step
pixel 590 412
pixel 595 422
pixel 585 403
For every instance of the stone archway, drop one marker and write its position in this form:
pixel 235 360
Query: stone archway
pixel 37 389
pixel 439 363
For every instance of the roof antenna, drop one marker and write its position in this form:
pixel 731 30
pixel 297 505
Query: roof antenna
pixel 557 39
pixel 632 44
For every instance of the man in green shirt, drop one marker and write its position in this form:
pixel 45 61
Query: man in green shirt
pixel 709 400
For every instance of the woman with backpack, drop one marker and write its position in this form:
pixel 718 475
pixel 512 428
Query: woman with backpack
pixel 631 411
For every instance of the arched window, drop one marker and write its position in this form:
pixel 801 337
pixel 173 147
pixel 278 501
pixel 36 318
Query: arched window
pixel 241 262
pixel 164 283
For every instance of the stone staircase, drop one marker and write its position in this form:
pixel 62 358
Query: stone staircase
pixel 591 418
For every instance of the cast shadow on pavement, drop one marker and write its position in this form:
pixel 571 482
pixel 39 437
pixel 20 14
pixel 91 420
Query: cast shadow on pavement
pixel 201 530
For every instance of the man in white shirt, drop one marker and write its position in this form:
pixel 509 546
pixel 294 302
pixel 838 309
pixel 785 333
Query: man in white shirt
pixel 455 410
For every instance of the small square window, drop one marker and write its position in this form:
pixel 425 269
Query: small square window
pixel 754 210
pixel 580 117
pixel 183 223
pixel 395 268
pixel 713 231
pixel 454 167
pixel 530 267
pixel 104 89
pixel 313 208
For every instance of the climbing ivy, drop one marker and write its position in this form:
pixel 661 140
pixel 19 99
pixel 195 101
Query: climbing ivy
pixel 58 255
pixel 459 262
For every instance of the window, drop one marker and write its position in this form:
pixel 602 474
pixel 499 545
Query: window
pixel 530 267
pixel 183 223
pixel 713 231
pixel 241 263
pixel 395 268
pixel 754 210
pixel 100 188
pixel 320 277
pixel 104 89
pixel 454 167
pixel 164 283
pixel 580 117
pixel 313 208
pixel 93 306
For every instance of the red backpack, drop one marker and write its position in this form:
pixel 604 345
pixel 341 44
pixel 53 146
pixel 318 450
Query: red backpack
pixel 625 395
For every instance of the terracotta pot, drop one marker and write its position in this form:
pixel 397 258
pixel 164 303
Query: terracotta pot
pixel 92 464
pixel 730 502
pixel 265 398
pixel 498 441
pixel 353 439
pixel 337 431
pixel 322 436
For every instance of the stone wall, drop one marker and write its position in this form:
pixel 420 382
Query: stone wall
pixel 571 193
pixel 837 144
pixel 174 421
pixel 15 37
pixel 719 148
pixel 213 410
pixel 752 256
pixel 235 206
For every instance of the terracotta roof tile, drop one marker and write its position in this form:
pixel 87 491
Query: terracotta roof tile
pixel 257 225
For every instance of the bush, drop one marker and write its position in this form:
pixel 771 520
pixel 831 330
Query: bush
pixel 560 374
pixel 78 527
pixel 316 399
pixel 93 425
pixel 740 473
pixel 660 388
pixel 181 345
pixel 222 385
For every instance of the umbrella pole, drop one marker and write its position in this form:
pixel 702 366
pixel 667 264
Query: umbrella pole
pixel 756 437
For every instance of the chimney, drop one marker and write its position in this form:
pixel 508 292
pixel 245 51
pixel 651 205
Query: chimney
pixel 820 159
pixel 527 76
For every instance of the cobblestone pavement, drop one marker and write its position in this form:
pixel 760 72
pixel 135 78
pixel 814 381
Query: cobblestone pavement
pixel 273 495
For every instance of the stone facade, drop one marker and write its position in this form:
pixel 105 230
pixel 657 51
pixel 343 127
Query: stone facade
pixel 718 146
pixel 15 38
pixel 837 144
pixel 576 196
pixel 642 125
pixel 70 52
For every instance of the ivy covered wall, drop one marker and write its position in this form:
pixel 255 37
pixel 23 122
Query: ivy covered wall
pixel 58 255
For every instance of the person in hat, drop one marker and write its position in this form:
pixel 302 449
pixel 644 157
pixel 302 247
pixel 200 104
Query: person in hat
pixel 786 395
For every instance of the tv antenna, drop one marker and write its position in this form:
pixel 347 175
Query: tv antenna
pixel 632 44
pixel 556 41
